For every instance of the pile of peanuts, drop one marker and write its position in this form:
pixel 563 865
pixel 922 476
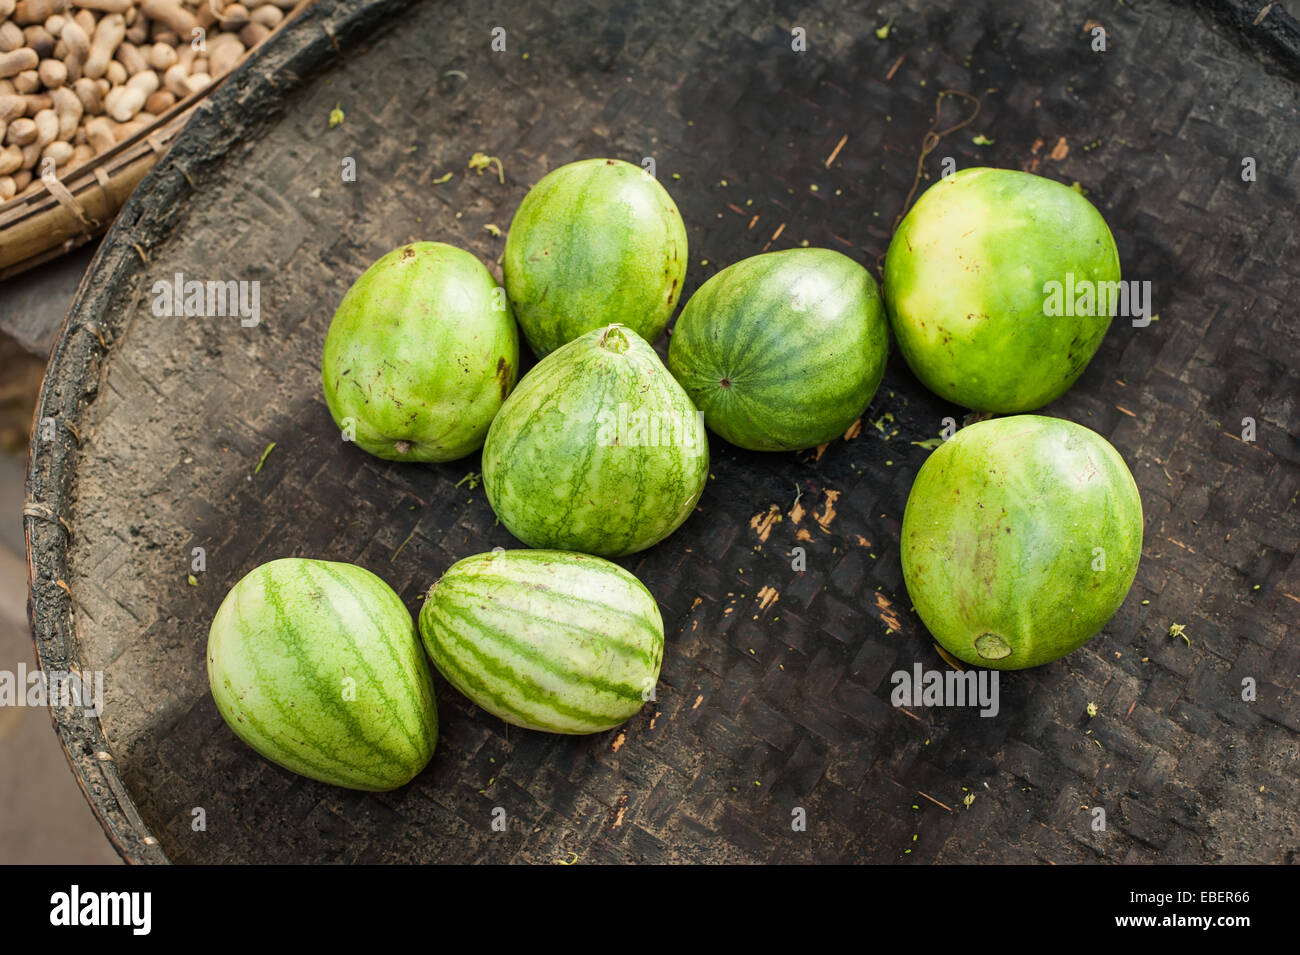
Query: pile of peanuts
pixel 79 76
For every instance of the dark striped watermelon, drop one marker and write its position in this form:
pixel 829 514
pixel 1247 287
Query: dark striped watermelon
pixel 420 355
pixel 782 351
pixel 547 640
pixel 593 243
pixel 598 450
pixel 317 666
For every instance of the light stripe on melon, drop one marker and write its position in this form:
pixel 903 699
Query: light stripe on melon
pixel 289 644
pixel 548 640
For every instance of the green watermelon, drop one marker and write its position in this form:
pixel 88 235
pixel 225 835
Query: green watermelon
pixel 598 450
pixel 317 666
pixel 594 243
pixel 547 640
pixel 420 355
pixel 1020 540
pixel 782 351
pixel 969 281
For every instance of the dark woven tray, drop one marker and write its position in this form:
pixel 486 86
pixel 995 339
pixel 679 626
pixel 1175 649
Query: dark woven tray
pixel 775 688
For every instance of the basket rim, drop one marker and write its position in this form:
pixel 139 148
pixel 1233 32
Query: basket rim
pixel 286 61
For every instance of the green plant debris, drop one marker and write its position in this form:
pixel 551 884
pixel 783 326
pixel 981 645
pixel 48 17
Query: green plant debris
pixel 968 799
pixel 480 161
pixel 571 861
pixel 1078 187
pixel 1178 630
pixel 882 33
pixel 336 116
pixel 262 461
pixel 929 443
pixel 192 580
pixel 393 559
pixel 473 479
pixel 445 177
pixel 492 229
pixel 1092 710
pixel 886 418
pixel 982 140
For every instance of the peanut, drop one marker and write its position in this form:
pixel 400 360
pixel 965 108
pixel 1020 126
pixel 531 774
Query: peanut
pixel 8 188
pixel 31 155
pixel 160 56
pixel 254 33
pixel 40 40
pixel 234 17
pixel 59 151
pixel 166 36
pixel 268 15
pixel 160 101
pixel 123 131
pixel 22 178
pixel 81 152
pixel 137 30
pixel 11 159
pixel 99 133
pixel 52 73
pixel 27 12
pixel 37 102
pixel 174 81
pixel 90 96
pixel 198 81
pixel 21 132
pixel 55 24
pixel 28 81
pixel 11 37
pixel 11 64
pixel 6 9
pixel 11 107
pixel 47 127
pixel 87 21
pixel 103 6
pixel 67 106
pixel 133 95
pixel 223 53
pixel 200 65
pixel 78 48
pixel 130 57
pixel 116 73
pixel 108 34
pixel 171 13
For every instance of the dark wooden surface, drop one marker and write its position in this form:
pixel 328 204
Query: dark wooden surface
pixel 775 688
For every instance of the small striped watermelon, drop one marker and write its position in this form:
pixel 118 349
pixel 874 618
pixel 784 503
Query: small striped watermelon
pixel 547 640
pixel 598 450
pixel 782 351
pixel 317 666
pixel 594 242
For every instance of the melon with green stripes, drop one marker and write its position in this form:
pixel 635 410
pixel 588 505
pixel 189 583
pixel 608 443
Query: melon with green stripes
pixel 594 242
pixel 547 640
pixel 317 666
pixel 598 450
pixel 782 351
